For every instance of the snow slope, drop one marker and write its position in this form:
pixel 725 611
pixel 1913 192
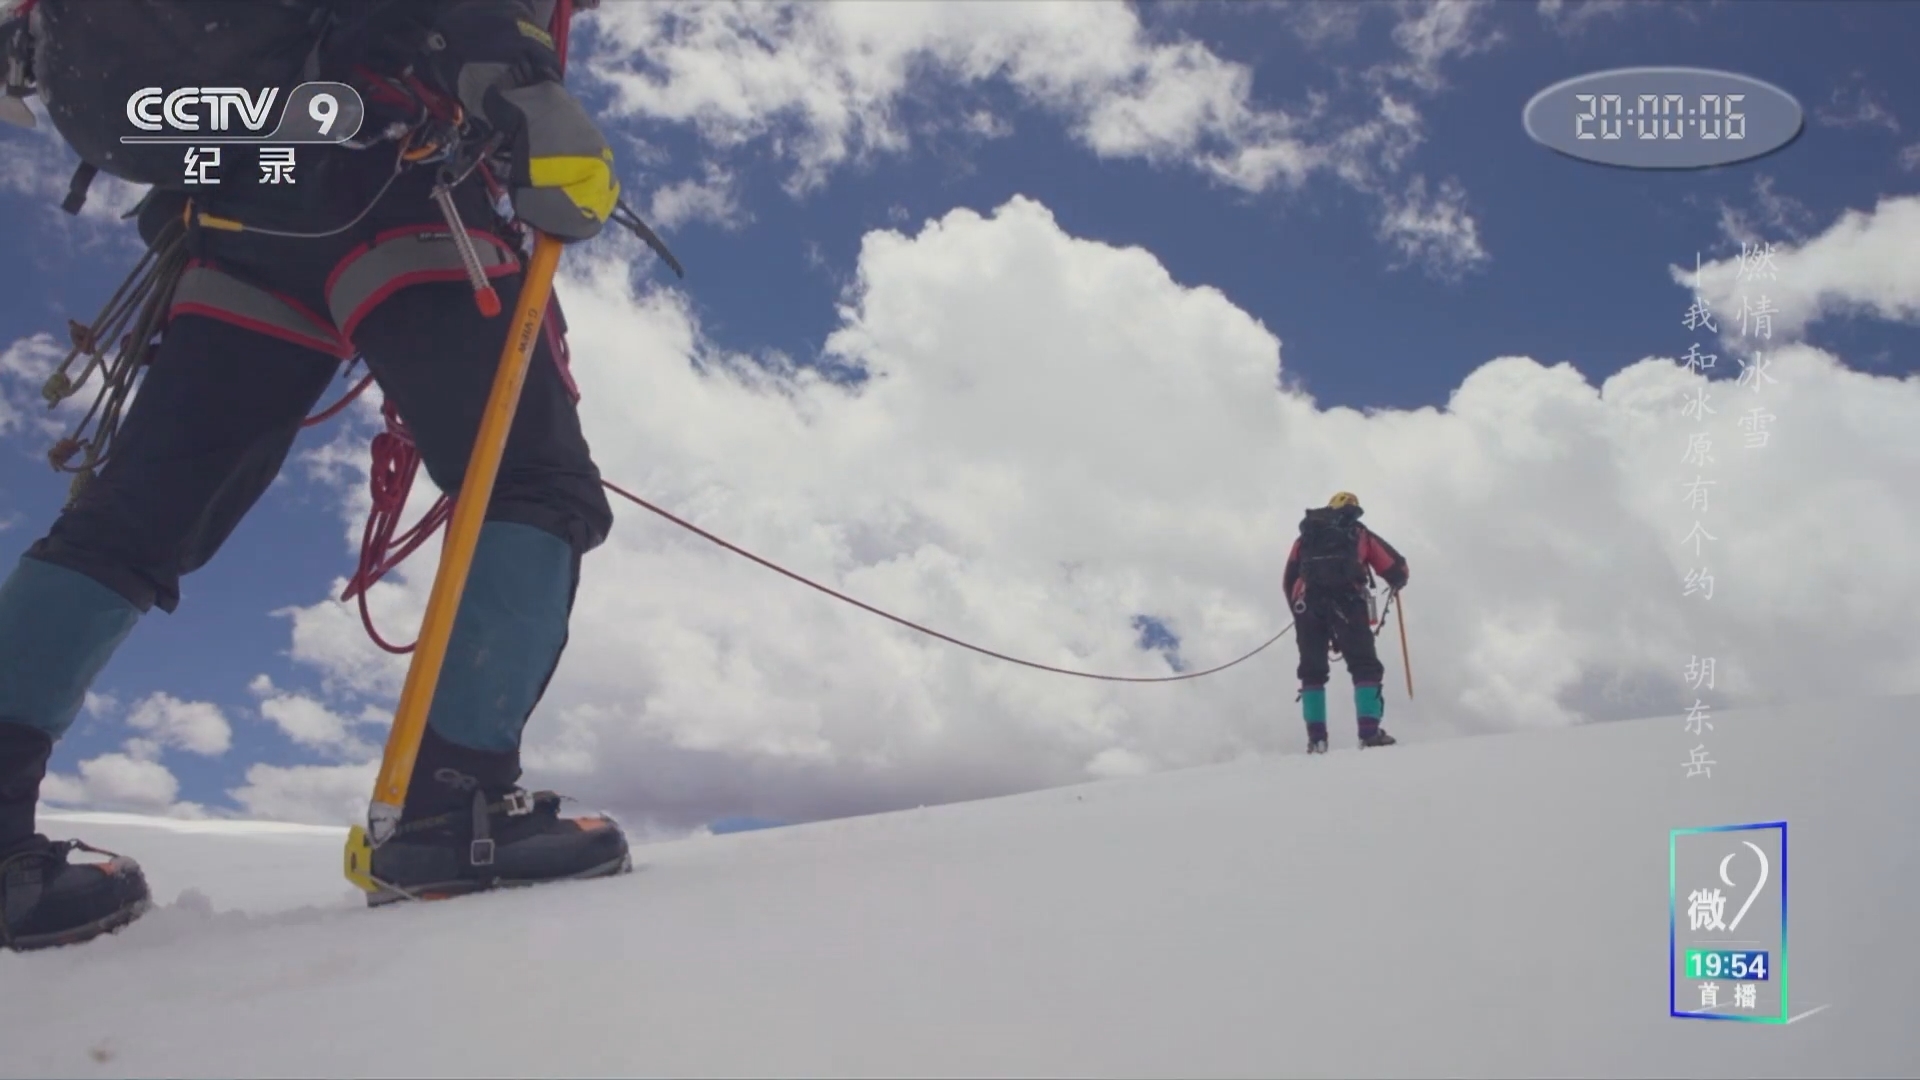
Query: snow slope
pixel 1484 907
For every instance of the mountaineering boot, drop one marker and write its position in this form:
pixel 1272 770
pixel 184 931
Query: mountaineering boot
pixel 1370 704
pixel 46 900
pixel 1313 707
pixel 468 826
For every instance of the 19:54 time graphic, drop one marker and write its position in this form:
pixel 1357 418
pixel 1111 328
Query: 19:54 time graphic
pixel 1661 116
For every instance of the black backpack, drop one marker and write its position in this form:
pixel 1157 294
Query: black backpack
pixel 1330 548
pixel 91 56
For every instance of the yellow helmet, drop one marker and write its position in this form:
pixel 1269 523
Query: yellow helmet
pixel 1343 498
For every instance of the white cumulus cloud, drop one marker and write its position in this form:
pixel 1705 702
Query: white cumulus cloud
pixel 1862 263
pixel 119 781
pixel 310 794
pixel 308 722
pixel 198 727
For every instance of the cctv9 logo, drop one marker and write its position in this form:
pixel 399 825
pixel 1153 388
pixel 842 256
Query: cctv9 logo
pixel 315 112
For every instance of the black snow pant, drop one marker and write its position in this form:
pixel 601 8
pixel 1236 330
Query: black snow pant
pixel 258 330
pixel 1337 620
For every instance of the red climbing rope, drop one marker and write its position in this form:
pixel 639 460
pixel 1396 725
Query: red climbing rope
pixel 390 475
pixel 340 406
pixel 394 464
pixel 744 553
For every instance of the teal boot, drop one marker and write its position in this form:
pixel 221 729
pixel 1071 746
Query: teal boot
pixel 1313 707
pixel 1369 704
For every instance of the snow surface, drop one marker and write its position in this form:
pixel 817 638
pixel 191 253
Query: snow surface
pixel 1477 907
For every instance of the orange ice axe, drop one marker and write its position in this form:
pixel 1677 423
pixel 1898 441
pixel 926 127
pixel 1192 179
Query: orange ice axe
pixel 1400 613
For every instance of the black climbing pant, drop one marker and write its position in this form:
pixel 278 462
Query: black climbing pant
pixel 1337 620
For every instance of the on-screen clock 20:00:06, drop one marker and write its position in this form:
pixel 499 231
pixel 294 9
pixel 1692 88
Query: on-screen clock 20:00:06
pixel 1660 116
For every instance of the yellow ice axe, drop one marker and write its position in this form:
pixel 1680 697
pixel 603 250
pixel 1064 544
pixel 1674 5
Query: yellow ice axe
pixel 456 559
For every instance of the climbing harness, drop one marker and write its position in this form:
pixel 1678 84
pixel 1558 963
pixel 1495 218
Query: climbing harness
pixel 1376 615
pixel 138 310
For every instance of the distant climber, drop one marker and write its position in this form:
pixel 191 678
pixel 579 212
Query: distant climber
pixel 1327 581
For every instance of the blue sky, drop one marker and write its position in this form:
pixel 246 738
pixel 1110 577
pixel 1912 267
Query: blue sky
pixel 1505 249
pixel 1566 241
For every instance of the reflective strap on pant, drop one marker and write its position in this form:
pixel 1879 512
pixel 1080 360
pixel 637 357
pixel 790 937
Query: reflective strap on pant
pixel 206 290
pixel 402 257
